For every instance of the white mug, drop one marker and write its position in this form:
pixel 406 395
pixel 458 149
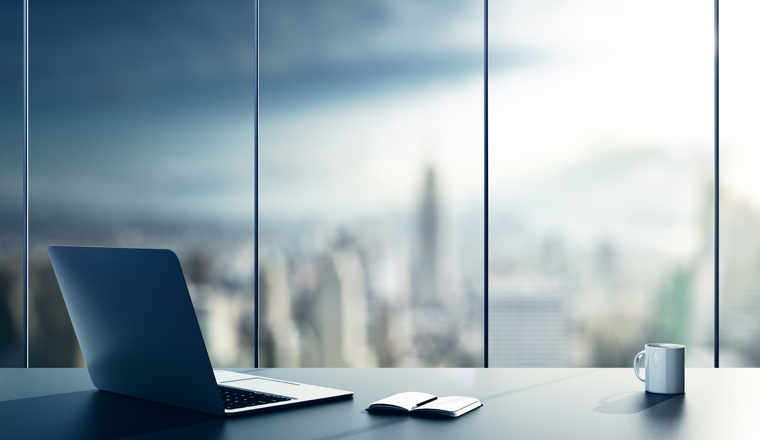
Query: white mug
pixel 664 368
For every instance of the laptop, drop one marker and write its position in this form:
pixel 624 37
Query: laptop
pixel 139 335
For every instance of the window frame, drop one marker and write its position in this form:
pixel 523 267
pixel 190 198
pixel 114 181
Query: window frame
pixel 716 341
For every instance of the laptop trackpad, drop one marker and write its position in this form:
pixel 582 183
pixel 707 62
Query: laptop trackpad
pixel 265 385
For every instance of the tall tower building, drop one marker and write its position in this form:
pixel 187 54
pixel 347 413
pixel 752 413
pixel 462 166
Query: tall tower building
pixel 436 322
pixel 426 265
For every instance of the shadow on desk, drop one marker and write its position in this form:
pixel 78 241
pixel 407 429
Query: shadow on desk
pixel 97 415
pixel 382 420
pixel 663 405
pixel 537 385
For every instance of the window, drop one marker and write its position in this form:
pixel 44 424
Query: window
pixel 739 187
pixel 11 185
pixel 371 183
pixel 141 136
pixel 371 176
pixel 601 171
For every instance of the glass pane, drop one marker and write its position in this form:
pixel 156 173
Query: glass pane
pixel 601 174
pixel 142 136
pixel 11 184
pixel 739 185
pixel 371 190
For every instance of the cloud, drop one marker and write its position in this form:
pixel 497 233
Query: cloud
pixel 88 53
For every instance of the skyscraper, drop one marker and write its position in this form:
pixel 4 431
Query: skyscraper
pixel 426 264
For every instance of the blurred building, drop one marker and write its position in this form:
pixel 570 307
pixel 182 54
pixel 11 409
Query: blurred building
pixel 530 324
pixel 11 320
pixel 425 273
pixel 279 339
pixel 739 282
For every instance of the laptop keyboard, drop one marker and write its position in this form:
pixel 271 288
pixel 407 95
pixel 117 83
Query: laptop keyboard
pixel 233 398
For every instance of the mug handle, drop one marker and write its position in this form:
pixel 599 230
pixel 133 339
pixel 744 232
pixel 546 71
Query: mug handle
pixel 636 365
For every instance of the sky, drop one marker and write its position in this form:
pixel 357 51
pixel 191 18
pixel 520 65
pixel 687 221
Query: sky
pixel 139 108
pixel 11 122
pixel 145 109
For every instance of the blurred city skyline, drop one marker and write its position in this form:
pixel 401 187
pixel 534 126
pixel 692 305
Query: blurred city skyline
pixel 600 173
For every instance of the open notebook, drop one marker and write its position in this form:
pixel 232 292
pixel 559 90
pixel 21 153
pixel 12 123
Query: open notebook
pixel 425 404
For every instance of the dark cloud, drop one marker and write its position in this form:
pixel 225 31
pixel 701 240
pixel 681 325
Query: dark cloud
pixel 112 81
pixel 85 51
pixel 318 51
